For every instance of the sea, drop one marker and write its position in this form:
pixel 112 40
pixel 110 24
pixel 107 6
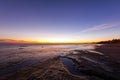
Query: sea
pixel 14 57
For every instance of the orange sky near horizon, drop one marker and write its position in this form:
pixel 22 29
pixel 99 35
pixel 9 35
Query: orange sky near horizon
pixel 47 41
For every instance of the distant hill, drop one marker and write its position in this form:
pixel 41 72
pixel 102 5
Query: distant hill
pixel 114 41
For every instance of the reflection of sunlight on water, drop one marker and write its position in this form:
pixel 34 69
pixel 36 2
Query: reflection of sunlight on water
pixel 12 53
pixel 16 57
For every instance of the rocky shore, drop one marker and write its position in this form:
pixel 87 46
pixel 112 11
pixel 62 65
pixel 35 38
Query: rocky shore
pixel 77 65
pixel 112 50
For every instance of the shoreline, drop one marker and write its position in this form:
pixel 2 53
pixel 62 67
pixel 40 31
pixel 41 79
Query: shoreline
pixel 112 50
pixel 77 65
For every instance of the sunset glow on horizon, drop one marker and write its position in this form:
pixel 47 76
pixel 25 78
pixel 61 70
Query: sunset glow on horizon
pixel 48 41
pixel 59 21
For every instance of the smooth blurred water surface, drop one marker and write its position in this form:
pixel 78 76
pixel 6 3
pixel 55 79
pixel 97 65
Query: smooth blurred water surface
pixel 17 53
pixel 15 57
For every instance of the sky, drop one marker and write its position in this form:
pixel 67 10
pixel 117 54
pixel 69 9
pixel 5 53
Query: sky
pixel 59 20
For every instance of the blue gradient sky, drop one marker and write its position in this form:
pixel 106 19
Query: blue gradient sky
pixel 60 20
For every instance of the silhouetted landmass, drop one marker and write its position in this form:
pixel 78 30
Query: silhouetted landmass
pixel 114 41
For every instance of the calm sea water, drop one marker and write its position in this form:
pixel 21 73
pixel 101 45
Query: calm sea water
pixel 13 58
pixel 17 53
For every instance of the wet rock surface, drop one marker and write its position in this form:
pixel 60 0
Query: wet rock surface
pixel 92 64
pixel 51 69
pixel 77 65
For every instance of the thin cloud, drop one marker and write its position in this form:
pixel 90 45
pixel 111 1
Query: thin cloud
pixel 100 27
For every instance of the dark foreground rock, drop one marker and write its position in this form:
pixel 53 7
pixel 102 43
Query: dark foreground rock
pixel 96 65
pixel 51 69
pixel 78 65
